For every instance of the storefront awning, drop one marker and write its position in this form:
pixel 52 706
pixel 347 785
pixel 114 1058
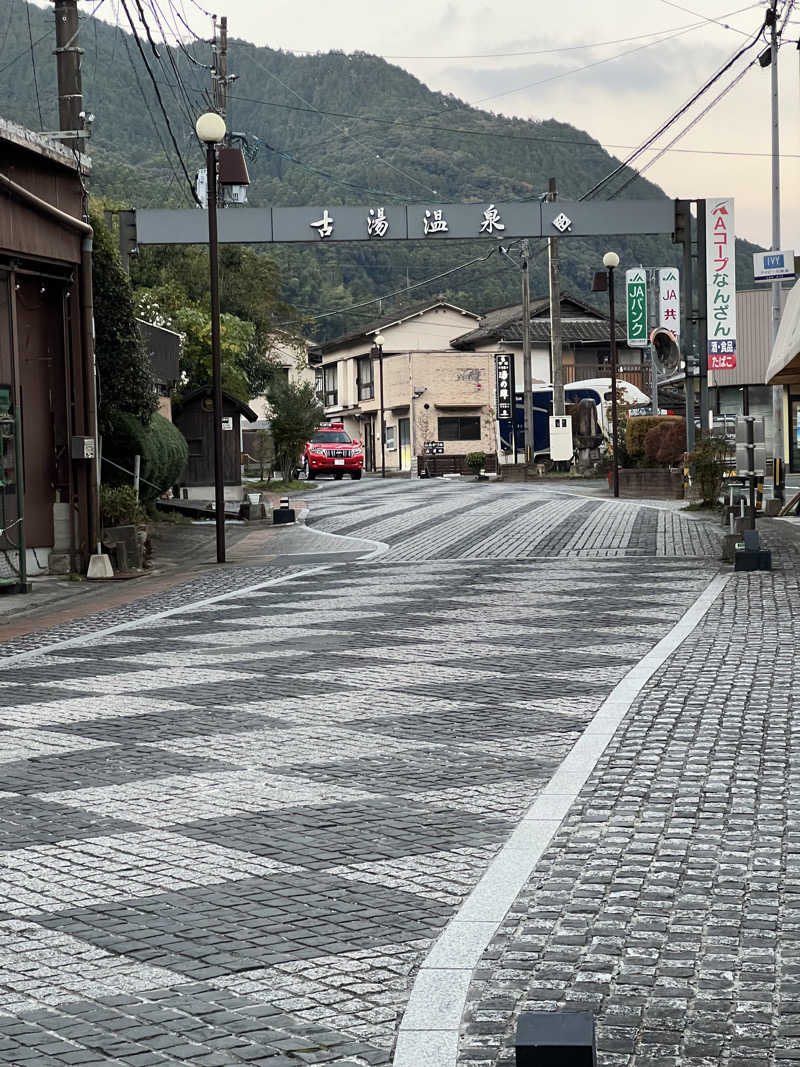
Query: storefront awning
pixel 784 363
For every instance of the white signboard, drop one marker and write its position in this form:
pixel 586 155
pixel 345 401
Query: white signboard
pixel 227 422
pixel 721 283
pixel 771 266
pixel 669 299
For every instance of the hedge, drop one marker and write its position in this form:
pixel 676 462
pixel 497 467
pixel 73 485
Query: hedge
pixel 636 430
pixel 161 445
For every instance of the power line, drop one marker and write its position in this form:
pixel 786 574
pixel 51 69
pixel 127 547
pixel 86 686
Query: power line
pixel 33 66
pixel 708 18
pixel 388 296
pixel 531 139
pixel 674 117
pixel 160 100
pixel 143 95
pixel 724 92
pixel 308 103
pixel 325 174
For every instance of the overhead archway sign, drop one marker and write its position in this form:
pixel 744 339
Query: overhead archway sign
pixel 329 224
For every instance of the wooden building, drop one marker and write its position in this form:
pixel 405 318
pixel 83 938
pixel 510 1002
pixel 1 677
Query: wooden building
pixel 46 354
pixel 194 418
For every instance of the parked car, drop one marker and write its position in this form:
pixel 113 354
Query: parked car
pixel 333 451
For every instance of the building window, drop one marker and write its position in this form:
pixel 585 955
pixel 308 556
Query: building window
pixel 390 439
pixel 460 428
pixel 330 384
pixel 319 385
pixel 364 379
pixel 195 446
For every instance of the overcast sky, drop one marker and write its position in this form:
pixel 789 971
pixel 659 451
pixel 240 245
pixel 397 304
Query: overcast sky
pixel 627 90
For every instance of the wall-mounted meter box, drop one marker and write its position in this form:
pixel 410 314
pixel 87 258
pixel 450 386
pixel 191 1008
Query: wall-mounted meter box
pixel 83 448
pixel 561 446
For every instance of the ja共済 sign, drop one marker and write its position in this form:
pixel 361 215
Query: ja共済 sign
pixel 669 299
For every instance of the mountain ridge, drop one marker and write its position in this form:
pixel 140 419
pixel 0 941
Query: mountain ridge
pixel 386 135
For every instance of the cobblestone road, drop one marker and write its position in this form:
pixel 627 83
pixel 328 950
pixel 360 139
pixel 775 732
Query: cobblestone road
pixel 231 832
pixel 669 902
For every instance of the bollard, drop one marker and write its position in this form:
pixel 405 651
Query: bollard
pixel 556 1039
pixel 283 514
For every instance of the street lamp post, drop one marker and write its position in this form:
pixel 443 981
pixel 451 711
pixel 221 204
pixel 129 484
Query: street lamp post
pixel 378 346
pixel 210 129
pixel 610 261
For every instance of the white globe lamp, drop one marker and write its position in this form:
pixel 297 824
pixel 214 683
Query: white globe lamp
pixel 210 128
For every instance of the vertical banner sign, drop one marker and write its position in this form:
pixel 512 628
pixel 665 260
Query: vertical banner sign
pixel 636 307
pixel 669 299
pixel 504 369
pixel 721 283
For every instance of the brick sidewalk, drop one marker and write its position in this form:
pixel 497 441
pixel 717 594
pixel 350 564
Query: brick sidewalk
pixel 668 904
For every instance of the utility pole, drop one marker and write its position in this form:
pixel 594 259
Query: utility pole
pixel 68 62
pixel 527 373
pixel 556 352
pixel 652 316
pixel 221 68
pixel 777 390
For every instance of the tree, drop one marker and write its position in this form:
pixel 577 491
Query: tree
pixel 261 450
pixel 296 413
pixel 126 383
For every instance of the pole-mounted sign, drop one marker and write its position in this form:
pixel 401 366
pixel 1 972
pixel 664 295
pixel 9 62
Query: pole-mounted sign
pixel 636 307
pixel 721 283
pixel 669 299
pixel 504 369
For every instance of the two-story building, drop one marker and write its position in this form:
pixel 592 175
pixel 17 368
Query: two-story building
pixel 585 342
pixel 46 354
pixel 427 390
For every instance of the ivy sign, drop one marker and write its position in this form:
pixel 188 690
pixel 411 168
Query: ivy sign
pixel 636 307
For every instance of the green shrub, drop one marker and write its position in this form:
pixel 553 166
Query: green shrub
pixel 119 506
pixel 475 460
pixel 637 428
pixel 161 445
pixel 665 443
pixel 710 461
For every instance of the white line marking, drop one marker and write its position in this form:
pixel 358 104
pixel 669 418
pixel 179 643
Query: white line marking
pixel 429 1029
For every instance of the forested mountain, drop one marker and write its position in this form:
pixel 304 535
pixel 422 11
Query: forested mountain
pixel 330 128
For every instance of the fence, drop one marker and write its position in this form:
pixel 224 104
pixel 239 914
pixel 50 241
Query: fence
pixel 434 466
pixel 637 374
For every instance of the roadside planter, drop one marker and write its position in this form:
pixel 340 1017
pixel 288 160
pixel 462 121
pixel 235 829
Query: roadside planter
pixel 650 483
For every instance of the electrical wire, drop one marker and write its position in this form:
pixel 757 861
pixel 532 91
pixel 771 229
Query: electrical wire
pixel 461 130
pixel 322 173
pixel 33 66
pixel 146 102
pixel 160 101
pixel 674 117
pixel 708 18
pixel 181 96
pixel 387 296
pixel 723 93
pixel 347 134
pixel 8 28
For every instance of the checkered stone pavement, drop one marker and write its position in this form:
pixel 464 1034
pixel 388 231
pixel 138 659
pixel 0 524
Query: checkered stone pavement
pixel 233 832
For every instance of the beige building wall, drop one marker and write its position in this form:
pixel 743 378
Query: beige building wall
pixel 420 388
pixel 295 360
pixel 416 360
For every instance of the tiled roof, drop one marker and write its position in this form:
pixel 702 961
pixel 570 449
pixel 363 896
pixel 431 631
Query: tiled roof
pixel 579 322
